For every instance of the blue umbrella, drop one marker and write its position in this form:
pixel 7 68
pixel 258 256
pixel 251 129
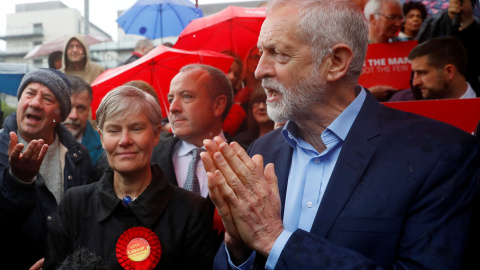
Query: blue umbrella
pixel 158 18
pixel 11 75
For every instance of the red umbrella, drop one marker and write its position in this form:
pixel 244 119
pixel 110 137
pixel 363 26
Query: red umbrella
pixel 58 45
pixel 157 68
pixel 234 28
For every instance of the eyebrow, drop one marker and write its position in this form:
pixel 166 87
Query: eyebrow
pixel 180 92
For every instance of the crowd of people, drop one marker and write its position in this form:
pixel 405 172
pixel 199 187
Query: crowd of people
pixel 284 162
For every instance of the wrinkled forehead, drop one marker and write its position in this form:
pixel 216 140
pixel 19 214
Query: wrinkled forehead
pixel 280 26
pixel 39 87
pixel 194 79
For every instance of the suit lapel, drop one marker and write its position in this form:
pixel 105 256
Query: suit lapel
pixel 354 158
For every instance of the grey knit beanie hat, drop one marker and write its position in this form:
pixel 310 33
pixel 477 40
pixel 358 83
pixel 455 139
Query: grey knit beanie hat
pixel 55 81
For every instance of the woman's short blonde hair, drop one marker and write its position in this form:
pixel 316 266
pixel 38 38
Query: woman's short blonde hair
pixel 124 100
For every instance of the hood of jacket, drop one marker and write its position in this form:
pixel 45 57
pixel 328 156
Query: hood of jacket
pixel 80 38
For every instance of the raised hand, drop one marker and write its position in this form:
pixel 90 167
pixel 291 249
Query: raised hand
pixel 25 166
pixel 245 194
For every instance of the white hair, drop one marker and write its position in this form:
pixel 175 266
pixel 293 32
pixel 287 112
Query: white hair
pixel 326 23
pixel 374 7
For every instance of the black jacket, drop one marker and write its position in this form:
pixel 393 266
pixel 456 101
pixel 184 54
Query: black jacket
pixel 94 217
pixel 26 209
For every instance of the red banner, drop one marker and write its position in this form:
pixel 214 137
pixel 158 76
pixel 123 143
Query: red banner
pixel 462 113
pixel 387 64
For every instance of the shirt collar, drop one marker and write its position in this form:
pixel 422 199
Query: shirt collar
pixel 340 126
pixel 470 93
pixel 147 207
pixel 185 148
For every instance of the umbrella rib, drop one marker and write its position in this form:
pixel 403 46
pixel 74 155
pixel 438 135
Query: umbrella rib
pixel 157 23
pixel 178 16
pixel 129 25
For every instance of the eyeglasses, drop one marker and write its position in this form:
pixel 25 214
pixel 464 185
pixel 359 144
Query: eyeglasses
pixel 392 17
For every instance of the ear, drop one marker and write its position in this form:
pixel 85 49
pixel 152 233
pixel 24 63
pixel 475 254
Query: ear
pixel 449 71
pixel 339 62
pixel 219 105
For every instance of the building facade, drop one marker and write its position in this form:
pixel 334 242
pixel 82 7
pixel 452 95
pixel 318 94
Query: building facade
pixel 32 25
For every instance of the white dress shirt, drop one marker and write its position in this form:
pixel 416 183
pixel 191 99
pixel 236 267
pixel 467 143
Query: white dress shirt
pixel 182 155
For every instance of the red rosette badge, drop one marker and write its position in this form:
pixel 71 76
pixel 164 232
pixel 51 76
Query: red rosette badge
pixel 138 248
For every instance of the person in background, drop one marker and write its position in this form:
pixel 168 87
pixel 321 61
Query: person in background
pixel 133 207
pixel 468 31
pixel 55 60
pixel 235 72
pixel 39 161
pixel 235 120
pixel 78 119
pixel 349 183
pixel 439 67
pixel 76 59
pixel 142 47
pixel 384 20
pixel 415 13
pixel 258 122
pixel 249 80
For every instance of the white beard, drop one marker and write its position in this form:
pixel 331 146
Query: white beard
pixel 296 103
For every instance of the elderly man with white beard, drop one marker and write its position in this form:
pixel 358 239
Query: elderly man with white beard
pixel 349 183
pixel 77 121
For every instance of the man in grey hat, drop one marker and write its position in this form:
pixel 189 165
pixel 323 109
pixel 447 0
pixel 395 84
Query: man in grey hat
pixel 39 161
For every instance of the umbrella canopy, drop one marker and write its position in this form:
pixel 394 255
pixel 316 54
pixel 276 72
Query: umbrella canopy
pixel 58 45
pixel 157 68
pixel 158 18
pixel 11 75
pixel 234 28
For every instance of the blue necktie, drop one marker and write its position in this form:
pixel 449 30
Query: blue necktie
pixel 192 183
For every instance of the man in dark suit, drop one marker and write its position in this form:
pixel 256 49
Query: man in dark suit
pixel 200 97
pixel 350 183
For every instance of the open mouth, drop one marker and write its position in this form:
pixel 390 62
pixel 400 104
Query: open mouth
pixel 272 94
pixel 33 117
